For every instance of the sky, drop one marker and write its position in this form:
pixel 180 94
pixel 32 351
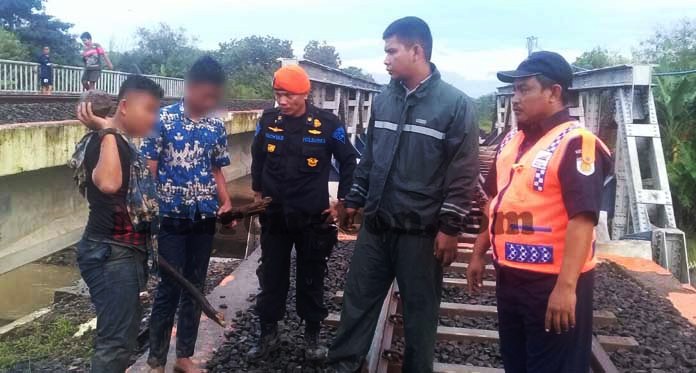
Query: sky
pixel 472 38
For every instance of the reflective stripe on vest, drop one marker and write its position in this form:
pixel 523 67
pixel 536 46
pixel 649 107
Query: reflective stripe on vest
pixel 528 216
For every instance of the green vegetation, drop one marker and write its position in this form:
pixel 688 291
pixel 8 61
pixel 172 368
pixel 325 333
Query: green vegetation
pixel 11 48
pixel 674 49
pixel 161 50
pixel 691 247
pixel 28 21
pixel 599 57
pixel 485 110
pixel 41 342
pixel 671 50
pixel 323 53
pixel 250 63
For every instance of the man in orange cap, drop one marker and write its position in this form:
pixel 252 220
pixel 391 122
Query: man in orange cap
pixel 291 163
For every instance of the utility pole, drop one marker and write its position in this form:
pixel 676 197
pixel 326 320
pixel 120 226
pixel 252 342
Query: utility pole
pixel 532 44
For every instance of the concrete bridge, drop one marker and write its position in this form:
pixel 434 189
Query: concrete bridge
pixel 41 211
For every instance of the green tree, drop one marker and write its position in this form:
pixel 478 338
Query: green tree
pixel 35 29
pixel 322 53
pixel 11 48
pixel 672 48
pixel 599 57
pixel 161 50
pixel 250 63
pixel 15 13
pixel 251 82
pixel 356 71
pixel 485 109
pixel 254 50
pixel 675 98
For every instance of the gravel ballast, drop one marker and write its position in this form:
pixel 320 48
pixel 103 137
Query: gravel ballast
pixel 667 340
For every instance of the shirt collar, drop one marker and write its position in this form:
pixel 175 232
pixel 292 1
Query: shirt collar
pixel 409 91
pixel 182 112
pixel 399 89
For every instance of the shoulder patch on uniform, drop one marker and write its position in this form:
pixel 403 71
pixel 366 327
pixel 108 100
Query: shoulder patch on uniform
pixel 585 164
pixel 339 134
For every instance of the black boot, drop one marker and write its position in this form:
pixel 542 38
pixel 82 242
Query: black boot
pixel 267 343
pixel 313 351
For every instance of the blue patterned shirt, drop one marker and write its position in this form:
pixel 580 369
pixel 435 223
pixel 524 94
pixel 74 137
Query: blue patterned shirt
pixel 187 151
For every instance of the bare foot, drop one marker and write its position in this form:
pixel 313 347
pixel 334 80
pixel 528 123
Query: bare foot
pixel 186 365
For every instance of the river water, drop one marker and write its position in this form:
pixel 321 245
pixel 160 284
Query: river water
pixel 30 287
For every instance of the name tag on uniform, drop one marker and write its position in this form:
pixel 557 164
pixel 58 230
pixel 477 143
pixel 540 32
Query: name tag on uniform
pixel 541 161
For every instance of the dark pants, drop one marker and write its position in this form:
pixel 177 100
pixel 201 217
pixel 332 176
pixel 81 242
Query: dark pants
pixel 186 245
pixel 377 259
pixel 115 276
pixel 313 242
pixel 90 75
pixel 522 298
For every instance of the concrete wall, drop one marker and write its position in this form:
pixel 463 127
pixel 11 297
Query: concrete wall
pixel 33 146
pixel 40 209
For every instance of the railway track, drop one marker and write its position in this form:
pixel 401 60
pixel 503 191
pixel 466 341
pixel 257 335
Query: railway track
pixel 37 99
pixel 30 108
pixel 384 355
pixel 231 104
pixel 54 98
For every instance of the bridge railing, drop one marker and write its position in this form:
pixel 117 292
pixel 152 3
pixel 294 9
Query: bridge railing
pixel 21 77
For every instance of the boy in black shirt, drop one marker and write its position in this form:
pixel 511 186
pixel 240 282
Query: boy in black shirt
pixel 45 71
pixel 112 252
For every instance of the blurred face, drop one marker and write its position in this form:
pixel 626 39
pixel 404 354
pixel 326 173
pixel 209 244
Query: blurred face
pixel 290 104
pixel 46 50
pixel 532 103
pixel 139 112
pixel 400 59
pixel 202 97
pixel 87 42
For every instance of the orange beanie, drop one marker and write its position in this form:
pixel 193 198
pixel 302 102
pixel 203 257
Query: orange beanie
pixel 291 78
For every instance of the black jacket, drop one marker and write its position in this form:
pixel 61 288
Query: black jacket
pixel 420 165
pixel 291 159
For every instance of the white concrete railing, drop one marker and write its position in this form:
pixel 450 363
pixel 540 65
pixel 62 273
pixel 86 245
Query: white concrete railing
pixel 23 77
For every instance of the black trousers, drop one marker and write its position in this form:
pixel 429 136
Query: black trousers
pixel 186 245
pixel 313 242
pixel 379 257
pixel 526 347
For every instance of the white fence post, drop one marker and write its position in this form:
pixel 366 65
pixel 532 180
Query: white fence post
pixel 19 77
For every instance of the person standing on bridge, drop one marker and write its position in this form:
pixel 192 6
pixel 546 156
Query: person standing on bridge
pixel 92 55
pixel 45 71
pixel 291 163
pixel 113 176
pixel 187 153
pixel 546 189
pixel 415 181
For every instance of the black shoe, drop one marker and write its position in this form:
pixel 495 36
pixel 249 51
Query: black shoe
pixel 313 351
pixel 267 343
